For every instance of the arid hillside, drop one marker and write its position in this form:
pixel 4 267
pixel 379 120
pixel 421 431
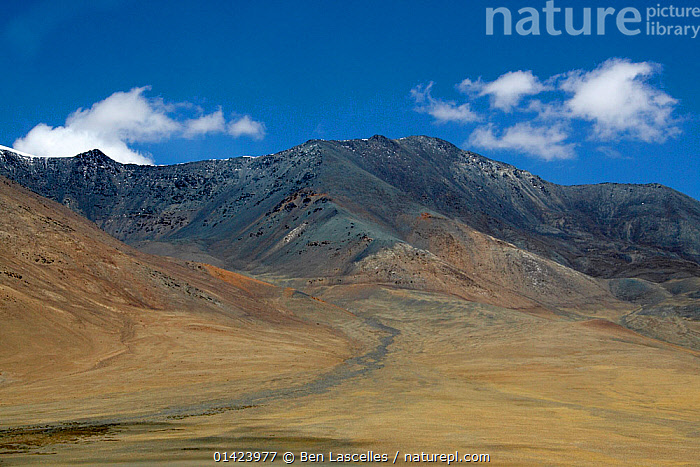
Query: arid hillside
pixel 90 326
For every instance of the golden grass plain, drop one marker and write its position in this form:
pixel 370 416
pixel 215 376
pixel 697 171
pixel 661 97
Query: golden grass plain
pixel 458 376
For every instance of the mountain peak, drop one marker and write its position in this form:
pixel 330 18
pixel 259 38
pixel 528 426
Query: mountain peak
pixel 95 155
pixel 380 138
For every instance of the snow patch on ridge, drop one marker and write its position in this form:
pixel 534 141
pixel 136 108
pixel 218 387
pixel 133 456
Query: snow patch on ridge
pixel 19 153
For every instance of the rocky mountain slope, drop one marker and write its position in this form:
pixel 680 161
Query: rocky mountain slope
pixel 340 194
pixel 416 212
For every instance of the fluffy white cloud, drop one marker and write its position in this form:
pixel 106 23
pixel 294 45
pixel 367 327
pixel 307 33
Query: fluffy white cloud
pixel 615 100
pixel 548 143
pixel 619 101
pixel 442 111
pixel 125 118
pixel 506 91
pixel 212 123
pixel 128 116
pixel 46 141
pixel 246 126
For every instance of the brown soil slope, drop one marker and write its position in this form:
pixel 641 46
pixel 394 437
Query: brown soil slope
pixel 89 326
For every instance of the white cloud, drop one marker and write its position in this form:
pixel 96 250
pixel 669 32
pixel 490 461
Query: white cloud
pixel 128 116
pixel 442 111
pixel 547 143
pixel 246 126
pixel 467 86
pixel 615 100
pixel 507 90
pixel 212 123
pixel 547 111
pixel 123 118
pixel 45 141
pixel 619 101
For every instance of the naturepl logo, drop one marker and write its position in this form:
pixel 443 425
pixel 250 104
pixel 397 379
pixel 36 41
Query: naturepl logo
pixel 659 20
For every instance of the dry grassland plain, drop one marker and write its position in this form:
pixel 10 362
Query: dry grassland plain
pixel 444 375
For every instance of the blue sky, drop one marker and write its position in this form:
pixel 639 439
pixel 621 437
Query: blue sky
pixel 177 81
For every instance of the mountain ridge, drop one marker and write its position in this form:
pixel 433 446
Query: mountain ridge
pixel 605 230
